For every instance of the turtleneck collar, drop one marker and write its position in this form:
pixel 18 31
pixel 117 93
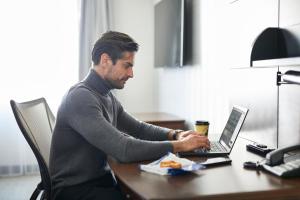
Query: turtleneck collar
pixel 96 82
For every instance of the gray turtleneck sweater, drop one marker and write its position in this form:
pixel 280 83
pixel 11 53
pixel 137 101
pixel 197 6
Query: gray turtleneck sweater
pixel 92 124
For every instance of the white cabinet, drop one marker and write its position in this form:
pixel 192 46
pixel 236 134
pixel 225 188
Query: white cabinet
pixel 247 19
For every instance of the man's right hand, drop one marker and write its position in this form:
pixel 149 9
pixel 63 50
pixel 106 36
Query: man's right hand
pixel 191 142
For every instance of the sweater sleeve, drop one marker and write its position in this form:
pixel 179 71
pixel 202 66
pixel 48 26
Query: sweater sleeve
pixel 85 116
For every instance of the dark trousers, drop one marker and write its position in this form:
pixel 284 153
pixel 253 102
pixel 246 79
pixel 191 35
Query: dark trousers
pixel 104 188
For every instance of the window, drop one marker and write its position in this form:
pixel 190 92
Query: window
pixel 39 58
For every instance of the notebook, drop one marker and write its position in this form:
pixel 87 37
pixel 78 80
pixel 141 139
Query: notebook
pixel 224 145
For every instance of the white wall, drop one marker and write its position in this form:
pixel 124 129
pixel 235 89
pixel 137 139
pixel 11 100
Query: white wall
pixel 192 92
pixel 223 33
pixel 199 91
pixel 136 18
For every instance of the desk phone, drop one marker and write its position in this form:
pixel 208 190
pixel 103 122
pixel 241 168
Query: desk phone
pixel 284 162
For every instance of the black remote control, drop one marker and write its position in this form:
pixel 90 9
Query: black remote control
pixel 259 149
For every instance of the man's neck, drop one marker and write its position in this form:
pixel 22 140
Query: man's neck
pixel 99 70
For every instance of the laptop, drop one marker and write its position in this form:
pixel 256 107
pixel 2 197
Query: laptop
pixel 224 145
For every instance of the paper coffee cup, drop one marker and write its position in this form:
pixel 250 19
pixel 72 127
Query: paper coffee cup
pixel 202 127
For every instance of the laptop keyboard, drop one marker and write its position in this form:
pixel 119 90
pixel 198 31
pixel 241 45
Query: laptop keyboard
pixel 214 147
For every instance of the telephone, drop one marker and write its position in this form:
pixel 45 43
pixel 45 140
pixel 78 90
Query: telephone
pixel 284 162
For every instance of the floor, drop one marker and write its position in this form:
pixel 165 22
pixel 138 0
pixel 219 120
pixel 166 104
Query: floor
pixel 19 187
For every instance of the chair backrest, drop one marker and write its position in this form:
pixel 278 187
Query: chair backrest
pixel 36 122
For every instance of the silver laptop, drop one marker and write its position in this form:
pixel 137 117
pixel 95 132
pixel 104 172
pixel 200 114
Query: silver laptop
pixel 229 135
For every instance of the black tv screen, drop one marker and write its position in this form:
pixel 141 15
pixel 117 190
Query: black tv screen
pixel 168 35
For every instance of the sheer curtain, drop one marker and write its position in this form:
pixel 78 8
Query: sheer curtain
pixel 94 20
pixel 39 57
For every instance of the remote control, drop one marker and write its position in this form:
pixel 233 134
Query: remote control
pixel 259 149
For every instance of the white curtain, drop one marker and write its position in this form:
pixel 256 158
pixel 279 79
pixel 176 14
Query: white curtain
pixel 39 58
pixel 94 20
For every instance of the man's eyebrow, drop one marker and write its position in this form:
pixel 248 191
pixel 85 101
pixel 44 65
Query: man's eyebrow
pixel 129 64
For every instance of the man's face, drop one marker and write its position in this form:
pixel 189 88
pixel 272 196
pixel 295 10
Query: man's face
pixel 117 74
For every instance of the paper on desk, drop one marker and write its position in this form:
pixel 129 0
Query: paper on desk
pixel 187 166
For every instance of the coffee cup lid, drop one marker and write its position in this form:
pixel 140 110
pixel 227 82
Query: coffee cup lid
pixel 202 122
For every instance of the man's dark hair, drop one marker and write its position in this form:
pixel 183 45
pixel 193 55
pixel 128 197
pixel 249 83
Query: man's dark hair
pixel 114 44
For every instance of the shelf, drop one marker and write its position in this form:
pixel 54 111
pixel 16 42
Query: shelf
pixel 275 47
pixel 277 62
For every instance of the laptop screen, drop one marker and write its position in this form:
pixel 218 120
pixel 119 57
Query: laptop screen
pixel 232 127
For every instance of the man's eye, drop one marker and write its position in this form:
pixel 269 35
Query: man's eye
pixel 127 66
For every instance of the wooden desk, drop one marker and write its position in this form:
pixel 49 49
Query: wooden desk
pixel 161 119
pixel 219 183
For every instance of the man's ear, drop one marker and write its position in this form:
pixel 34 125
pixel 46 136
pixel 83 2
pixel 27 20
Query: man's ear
pixel 105 59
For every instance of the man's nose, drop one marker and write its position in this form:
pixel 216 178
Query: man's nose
pixel 130 72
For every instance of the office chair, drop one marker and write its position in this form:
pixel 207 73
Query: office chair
pixel 36 122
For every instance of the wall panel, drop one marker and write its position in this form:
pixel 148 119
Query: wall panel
pixel 247 19
pixel 289 112
pixel 256 89
pixel 289 13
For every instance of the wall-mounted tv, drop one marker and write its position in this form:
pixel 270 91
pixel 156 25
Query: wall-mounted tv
pixel 168 33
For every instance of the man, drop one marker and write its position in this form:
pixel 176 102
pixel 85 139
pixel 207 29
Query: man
pixel 91 124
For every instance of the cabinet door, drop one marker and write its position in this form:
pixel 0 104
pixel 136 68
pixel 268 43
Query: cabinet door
pixel 289 13
pixel 289 112
pixel 256 89
pixel 247 19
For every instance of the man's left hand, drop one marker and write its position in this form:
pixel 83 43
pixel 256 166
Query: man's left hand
pixel 183 134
